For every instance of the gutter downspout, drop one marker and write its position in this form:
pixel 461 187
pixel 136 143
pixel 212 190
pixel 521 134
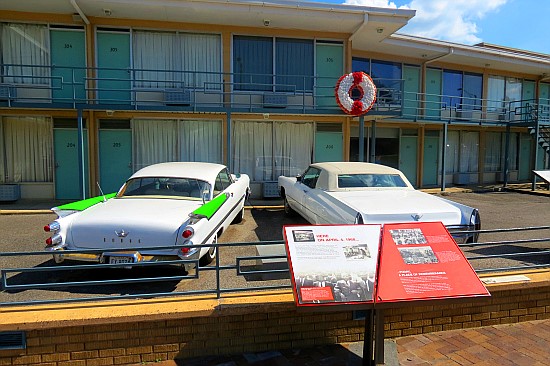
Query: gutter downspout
pixel 359 28
pixel 423 106
pixel 79 11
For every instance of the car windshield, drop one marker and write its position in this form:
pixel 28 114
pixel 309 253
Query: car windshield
pixel 166 187
pixel 370 180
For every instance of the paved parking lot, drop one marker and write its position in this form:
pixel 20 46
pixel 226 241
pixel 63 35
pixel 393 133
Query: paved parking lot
pixel 24 233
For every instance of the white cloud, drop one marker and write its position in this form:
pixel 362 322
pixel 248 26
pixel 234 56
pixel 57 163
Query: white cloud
pixel 450 20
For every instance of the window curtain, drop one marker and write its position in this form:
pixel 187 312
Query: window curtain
pixel 171 60
pixel 493 148
pixel 469 151
pixel 294 76
pixel 293 146
pixel 155 141
pixel 253 149
pixel 28 144
pixel 452 153
pixel 253 63
pixel 495 94
pixel 200 56
pixel 154 59
pixel 200 141
pixel 26 47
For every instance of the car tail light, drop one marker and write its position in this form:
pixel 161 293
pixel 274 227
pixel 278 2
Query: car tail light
pixel 185 250
pixel 52 227
pixel 56 239
pixel 188 232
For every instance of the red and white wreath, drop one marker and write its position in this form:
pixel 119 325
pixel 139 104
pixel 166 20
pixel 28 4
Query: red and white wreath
pixel 347 84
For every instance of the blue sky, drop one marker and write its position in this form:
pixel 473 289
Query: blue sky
pixel 521 24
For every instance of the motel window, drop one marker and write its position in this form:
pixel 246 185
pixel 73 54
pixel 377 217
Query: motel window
pixel 462 90
pixel 24 51
pixel 386 76
pixel 176 60
pixel 273 64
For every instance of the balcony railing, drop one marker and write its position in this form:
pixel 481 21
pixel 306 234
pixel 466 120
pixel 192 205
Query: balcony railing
pixel 145 89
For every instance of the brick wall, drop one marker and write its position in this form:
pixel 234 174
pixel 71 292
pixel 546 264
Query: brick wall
pixel 260 328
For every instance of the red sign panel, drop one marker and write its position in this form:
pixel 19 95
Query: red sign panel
pixel 420 261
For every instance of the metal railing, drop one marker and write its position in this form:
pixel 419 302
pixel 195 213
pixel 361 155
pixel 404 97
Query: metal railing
pixel 233 272
pixel 149 89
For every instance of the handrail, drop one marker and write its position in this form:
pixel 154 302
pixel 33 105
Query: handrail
pixel 151 89
pixel 242 267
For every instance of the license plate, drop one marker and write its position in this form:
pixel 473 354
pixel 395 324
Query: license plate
pixel 120 260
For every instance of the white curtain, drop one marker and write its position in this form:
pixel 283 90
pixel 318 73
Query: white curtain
pixel 469 151
pixel 293 145
pixel 26 45
pixel 265 150
pixel 253 149
pixel 495 94
pixel 155 141
pixel 200 141
pixel 155 51
pixel 201 55
pixel 177 60
pixel 493 149
pixel 452 153
pixel 28 145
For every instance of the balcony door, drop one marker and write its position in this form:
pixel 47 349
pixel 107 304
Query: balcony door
pixel 329 62
pixel 68 56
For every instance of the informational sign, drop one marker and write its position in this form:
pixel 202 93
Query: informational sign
pixel 420 261
pixel 333 264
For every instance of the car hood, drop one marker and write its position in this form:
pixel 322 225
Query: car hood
pixel 394 205
pixel 130 223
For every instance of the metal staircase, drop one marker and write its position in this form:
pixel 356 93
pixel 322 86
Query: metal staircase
pixel 540 114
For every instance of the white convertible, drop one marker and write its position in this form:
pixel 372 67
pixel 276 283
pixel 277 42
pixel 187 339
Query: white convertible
pixel 357 193
pixel 158 214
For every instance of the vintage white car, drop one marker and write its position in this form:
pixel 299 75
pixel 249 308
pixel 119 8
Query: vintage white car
pixel 160 213
pixel 357 193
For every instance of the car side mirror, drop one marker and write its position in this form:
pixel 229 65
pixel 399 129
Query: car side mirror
pixel 298 178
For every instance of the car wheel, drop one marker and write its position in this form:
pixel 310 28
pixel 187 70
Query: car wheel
pixel 210 255
pixel 288 210
pixel 240 217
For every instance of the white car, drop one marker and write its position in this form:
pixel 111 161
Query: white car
pixel 169 205
pixel 357 193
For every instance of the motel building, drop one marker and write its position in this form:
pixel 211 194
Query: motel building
pixel 91 91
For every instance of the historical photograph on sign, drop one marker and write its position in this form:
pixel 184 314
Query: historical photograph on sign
pixel 418 255
pixel 333 264
pixel 357 252
pixel 408 236
pixel 303 235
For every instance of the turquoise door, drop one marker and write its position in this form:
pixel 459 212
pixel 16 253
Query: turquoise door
pixel 68 58
pixel 328 146
pixel 67 178
pixel 431 154
pixel 524 172
pixel 433 93
pixel 408 157
pixel 113 60
pixel 411 89
pixel 528 98
pixel 329 62
pixel 115 158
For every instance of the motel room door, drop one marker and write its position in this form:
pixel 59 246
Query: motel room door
pixel 113 60
pixel 329 61
pixel 67 177
pixel 68 54
pixel 115 155
pixel 328 146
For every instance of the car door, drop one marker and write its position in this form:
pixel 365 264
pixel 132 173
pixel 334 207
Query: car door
pixel 307 183
pixel 226 185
